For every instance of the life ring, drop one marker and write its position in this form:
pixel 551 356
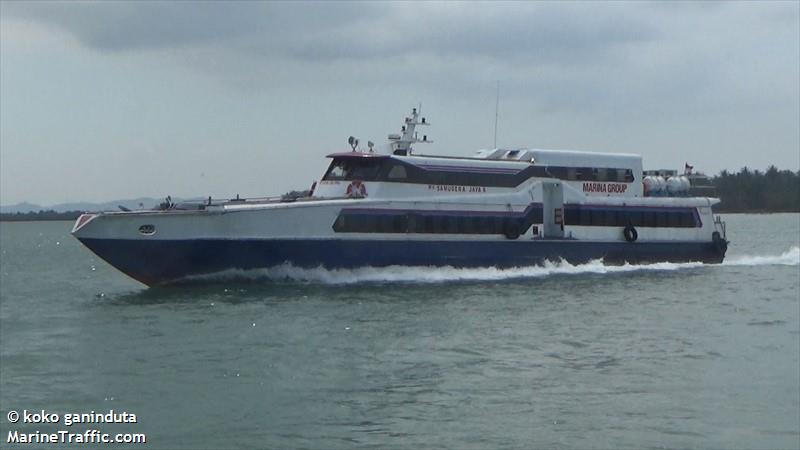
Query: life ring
pixel 630 233
pixel 512 230
pixel 356 189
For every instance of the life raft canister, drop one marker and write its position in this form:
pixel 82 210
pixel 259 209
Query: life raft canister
pixel 356 189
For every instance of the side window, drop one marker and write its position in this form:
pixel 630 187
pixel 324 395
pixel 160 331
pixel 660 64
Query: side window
pixel 368 223
pixel 585 217
pixel 451 224
pixel 385 224
pixel 628 177
pixel 414 223
pixel 611 218
pixel 487 225
pixel 341 224
pixel 635 218
pixel 585 174
pixel 648 219
pixel 571 216
pixel 397 172
pixel 661 219
pixel 687 220
pixel 428 226
pixel 497 224
pixel 470 225
pixel 572 173
pixel 558 172
pixel 597 218
pixel 674 219
pixel 399 224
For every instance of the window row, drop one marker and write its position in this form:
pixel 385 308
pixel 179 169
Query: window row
pixel 638 217
pixel 392 170
pixel 591 174
pixel 395 222
pixel 426 223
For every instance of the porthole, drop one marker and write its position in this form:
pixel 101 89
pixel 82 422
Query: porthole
pixel 147 230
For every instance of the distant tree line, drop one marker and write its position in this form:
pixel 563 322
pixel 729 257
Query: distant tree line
pixel 40 215
pixel 755 191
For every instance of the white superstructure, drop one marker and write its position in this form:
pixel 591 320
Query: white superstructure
pixel 500 207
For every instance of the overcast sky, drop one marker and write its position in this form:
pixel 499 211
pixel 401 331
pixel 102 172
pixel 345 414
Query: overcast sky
pixel 102 101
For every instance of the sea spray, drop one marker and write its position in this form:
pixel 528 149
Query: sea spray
pixel 427 275
pixel 790 257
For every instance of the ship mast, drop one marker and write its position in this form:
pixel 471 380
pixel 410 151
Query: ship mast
pixel 496 113
pixel 401 143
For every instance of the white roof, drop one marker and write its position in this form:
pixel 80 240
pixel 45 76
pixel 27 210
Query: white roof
pixel 568 158
pixel 592 159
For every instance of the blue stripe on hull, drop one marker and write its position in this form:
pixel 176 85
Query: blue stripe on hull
pixel 159 261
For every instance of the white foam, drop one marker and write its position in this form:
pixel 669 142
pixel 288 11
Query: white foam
pixel 405 274
pixel 790 257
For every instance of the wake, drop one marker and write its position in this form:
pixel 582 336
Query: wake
pixel 404 274
pixel 790 257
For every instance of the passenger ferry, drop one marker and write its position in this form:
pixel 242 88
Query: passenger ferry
pixel 500 207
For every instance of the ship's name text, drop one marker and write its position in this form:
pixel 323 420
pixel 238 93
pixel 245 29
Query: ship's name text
pixel 454 188
pixel 611 188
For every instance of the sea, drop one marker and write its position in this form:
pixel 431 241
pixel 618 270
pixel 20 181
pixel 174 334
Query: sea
pixel 562 356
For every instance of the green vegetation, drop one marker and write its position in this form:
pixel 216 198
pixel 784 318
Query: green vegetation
pixel 755 191
pixel 41 215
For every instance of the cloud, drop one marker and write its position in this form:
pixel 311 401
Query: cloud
pixel 523 34
pixel 568 56
pixel 323 31
pixel 121 26
pixel 702 77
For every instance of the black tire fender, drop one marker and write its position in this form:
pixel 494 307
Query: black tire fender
pixel 512 231
pixel 630 233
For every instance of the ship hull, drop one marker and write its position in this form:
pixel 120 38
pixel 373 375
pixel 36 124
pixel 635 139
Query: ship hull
pixel 155 262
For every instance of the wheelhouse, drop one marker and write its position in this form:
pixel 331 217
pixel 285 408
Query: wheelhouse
pixel 467 172
pixel 366 167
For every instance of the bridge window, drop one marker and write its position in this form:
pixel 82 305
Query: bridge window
pixel 397 172
pixel 336 171
pixel 353 169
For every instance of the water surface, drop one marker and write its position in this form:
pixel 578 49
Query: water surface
pixel 670 355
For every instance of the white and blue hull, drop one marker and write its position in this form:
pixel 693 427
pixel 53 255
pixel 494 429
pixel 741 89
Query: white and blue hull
pixel 502 208
pixel 158 262
pixel 189 243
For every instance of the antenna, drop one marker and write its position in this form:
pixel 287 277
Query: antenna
pixel 496 113
pixel 401 143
